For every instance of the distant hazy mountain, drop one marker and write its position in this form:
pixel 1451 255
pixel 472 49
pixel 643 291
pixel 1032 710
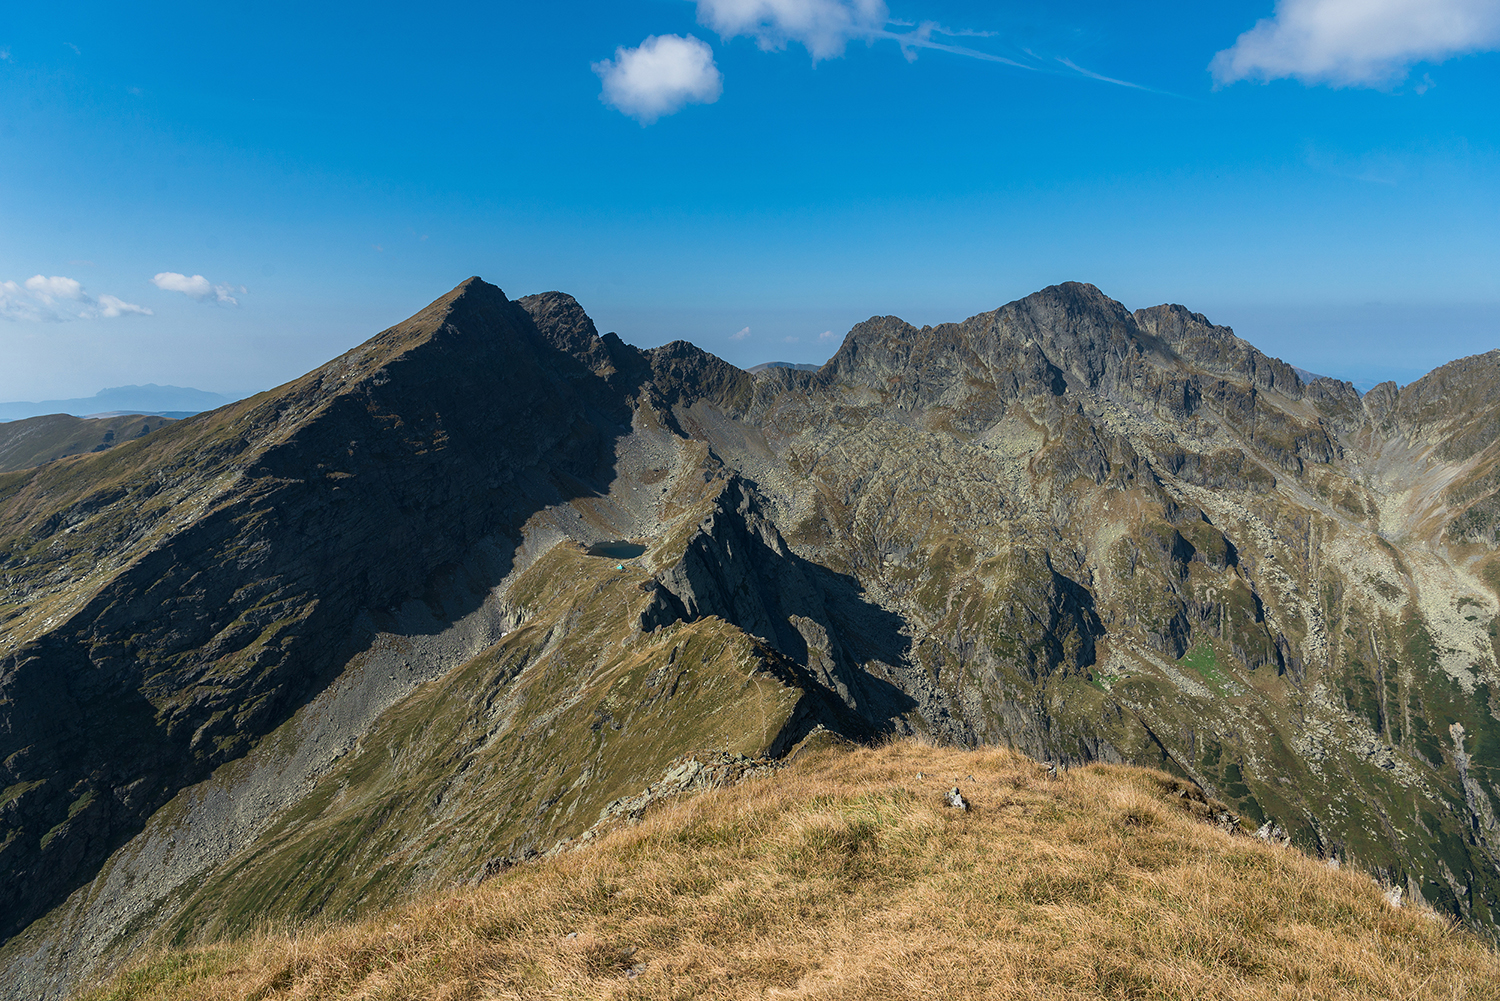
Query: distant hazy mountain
pixel 796 366
pixel 1308 377
pixel 176 401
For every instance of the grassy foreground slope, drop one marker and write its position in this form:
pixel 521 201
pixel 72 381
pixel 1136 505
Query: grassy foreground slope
pixel 846 876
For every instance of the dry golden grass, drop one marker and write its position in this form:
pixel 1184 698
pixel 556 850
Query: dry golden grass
pixel 846 877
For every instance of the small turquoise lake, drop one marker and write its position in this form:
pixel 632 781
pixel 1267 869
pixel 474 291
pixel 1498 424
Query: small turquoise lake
pixel 617 550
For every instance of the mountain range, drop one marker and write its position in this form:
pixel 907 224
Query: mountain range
pixel 464 592
pixel 119 401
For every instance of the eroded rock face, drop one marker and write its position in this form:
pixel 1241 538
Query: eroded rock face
pixel 1087 533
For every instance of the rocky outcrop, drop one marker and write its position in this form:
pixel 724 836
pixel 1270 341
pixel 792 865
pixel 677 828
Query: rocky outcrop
pixel 1215 350
pixel 1456 406
pixel 735 565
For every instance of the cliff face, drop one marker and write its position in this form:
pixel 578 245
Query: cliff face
pixel 309 651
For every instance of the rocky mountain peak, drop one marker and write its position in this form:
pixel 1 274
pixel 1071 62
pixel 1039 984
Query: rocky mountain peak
pixel 1215 349
pixel 1064 337
pixel 1083 332
pixel 472 307
pixel 565 326
pixel 1455 403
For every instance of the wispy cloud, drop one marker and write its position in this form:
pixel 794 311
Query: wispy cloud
pixel 661 76
pixel 826 335
pixel 1357 43
pixel 740 335
pixel 197 287
pixel 920 37
pixel 823 27
pixel 943 29
pixel 1070 64
pixel 826 27
pixel 55 298
pixel 110 306
pixel 5 55
pixel 76 50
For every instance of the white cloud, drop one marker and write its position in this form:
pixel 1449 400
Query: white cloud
pixel 1357 43
pixel 17 303
pixel 740 335
pixel 196 287
pixel 824 27
pixel 826 335
pixel 111 307
pixel 5 55
pixel 43 299
pixel 48 290
pixel 660 77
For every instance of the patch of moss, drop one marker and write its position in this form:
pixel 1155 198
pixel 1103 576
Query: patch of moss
pixel 1212 751
pixel 1393 700
pixel 18 789
pixel 1426 743
pixel 1234 781
pixel 80 804
pixel 1361 696
pixel 1203 660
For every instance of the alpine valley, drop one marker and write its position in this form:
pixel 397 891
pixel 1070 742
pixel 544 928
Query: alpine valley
pixel 489 578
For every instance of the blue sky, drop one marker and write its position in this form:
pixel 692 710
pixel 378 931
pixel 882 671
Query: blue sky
pixel 275 183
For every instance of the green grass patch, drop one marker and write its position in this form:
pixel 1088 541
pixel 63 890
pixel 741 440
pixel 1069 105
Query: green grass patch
pixel 1204 661
pixel 174 970
pixel 80 804
pixel 19 789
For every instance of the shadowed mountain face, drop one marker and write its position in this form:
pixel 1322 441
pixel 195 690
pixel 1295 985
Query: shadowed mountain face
pixel 465 590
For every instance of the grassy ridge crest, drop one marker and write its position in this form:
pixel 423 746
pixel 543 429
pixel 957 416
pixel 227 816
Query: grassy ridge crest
pixel 846 876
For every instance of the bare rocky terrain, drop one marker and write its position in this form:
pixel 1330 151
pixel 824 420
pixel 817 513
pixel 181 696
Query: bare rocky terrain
pixel 305 654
